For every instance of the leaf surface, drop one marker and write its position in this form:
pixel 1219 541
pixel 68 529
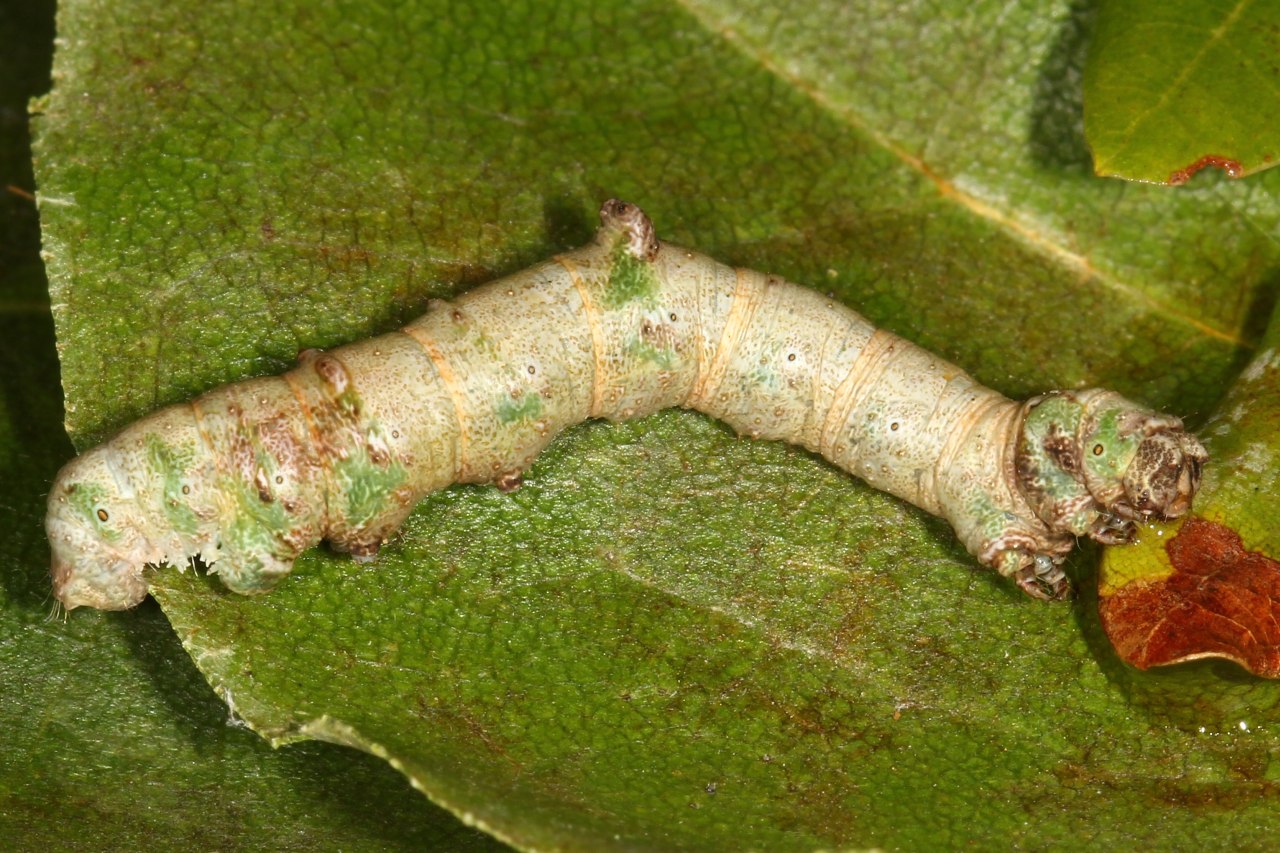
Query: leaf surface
pixel 1175 87
pixel 112 739
pixel 670 638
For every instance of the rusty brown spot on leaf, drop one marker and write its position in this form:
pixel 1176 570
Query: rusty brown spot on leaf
pixel 1221 601
pixel 1226 164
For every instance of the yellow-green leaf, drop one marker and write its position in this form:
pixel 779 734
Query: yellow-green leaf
pixel 1176 86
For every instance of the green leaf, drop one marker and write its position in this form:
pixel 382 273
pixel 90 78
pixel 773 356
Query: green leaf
pixel 1174 87
pixel 670 637
pixel 113 741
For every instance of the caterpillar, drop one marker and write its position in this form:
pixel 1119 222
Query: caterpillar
pixel 248 476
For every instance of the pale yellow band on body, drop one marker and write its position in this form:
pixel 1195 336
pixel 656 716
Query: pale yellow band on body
pixel 960 427
pixel 865 370
pixel 450 380
pixel 747 296
pixel 594 322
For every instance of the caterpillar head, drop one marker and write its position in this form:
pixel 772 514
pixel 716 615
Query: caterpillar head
pixel 1165 472
pixel 1139 464
pixel 95 530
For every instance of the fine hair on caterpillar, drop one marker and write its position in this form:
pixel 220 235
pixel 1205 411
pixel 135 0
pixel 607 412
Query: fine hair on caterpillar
pixel 248 476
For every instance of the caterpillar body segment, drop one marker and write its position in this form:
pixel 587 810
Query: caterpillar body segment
pixel 248 476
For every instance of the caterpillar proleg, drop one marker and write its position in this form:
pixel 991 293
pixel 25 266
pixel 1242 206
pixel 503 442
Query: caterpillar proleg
pixel 250 475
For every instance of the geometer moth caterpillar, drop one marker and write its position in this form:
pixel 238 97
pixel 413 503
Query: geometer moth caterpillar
pixel 250 475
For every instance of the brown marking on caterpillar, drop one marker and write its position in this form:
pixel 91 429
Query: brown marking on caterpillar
pixel 1063 450
pixel 333 373
pixel 263 485
pixel 1162 478
pixel 364 550
pixel 377 449
pixel 276 436
pixel 642 240
pixel 658 335
pixel 304 408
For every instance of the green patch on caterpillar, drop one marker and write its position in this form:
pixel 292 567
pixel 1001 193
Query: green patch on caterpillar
pixel 630 279
pixel 522 408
